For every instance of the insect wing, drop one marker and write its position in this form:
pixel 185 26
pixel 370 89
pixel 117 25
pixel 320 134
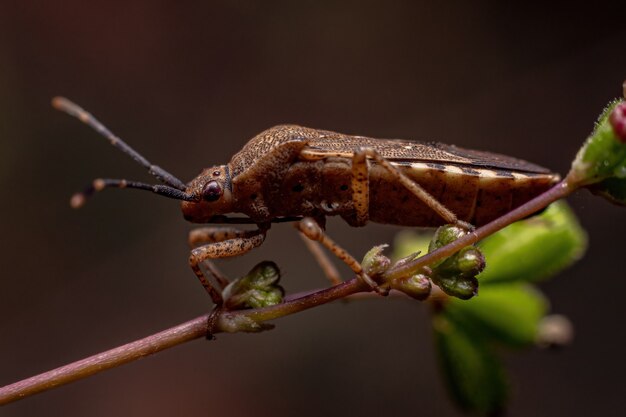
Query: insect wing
pixel 396 150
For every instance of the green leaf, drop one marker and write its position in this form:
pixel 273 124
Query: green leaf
pixel 508 313
pixel 602 156
pixel 472 371
pixel 613 189
pixel 534 249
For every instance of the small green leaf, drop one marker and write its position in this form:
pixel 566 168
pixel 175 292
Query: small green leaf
pixel 604 153
pixel 471 369
pixel 508 313
pixel 408 242
pixel 613 189
pixel 534 249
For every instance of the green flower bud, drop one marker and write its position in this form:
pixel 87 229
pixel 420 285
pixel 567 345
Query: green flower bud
pixel 259 288
pixel 374 262
pixel 417 286
pixel 444 235
pixel 456 275
pixel 239 323
pixel 457 286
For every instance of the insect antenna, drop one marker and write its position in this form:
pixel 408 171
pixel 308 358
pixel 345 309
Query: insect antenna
pixel 174 187
pixel 99 184
pixel 73 109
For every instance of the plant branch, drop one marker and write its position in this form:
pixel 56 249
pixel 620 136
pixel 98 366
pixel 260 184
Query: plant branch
pixel 102 361
pixel 231 321
pixel 176 335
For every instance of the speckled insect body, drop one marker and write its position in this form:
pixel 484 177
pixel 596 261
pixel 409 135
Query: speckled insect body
pixel 294 173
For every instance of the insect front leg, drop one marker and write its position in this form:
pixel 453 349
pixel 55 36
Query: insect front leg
pixel 205 235
pixel 309 227
pixel 408 183
pixel 219 242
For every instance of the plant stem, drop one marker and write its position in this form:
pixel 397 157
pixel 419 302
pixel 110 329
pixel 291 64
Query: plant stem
pixel 198 327
pixel 111 358
pixel 176 335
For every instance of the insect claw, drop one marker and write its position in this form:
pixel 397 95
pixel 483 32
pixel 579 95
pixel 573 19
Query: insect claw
pixel 212 322
pixel 465 225
pixel 373 284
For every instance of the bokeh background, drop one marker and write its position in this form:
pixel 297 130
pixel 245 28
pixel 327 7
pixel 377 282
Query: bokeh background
pixel 187 84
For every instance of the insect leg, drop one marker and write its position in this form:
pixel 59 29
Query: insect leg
pixel 219 243
pixel 313 231
pixel 204 235
pixel 414 188
pixel 360 186
pixel 327 266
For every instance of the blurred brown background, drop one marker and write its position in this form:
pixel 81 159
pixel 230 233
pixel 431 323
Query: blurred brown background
pixel 187 84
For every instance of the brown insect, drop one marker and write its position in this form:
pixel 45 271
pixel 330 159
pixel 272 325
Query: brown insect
pixel 294 173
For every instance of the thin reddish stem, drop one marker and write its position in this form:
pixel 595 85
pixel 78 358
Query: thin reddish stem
pixel 198 327
pixel 102 361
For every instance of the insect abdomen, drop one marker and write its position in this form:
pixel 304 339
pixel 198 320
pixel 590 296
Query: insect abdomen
pixel 475 195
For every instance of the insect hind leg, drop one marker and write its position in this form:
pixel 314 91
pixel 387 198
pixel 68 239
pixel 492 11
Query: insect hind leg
pixel 413 187
pixel 309 228
pixel 322 259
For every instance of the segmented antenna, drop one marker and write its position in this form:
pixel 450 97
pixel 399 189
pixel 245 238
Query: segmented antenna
pixel 174 187
pixel 99 184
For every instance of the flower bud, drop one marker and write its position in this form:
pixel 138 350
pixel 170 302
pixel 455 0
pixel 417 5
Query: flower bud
pixel 459 287
pixel 617 119
pixel 259 288
pixel 417 286
pixel 374 262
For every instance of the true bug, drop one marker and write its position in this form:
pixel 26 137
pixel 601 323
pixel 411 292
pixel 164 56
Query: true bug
pixel 294 173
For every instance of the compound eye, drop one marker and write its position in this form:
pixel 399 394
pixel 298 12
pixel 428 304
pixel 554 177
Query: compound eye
pixel 212 191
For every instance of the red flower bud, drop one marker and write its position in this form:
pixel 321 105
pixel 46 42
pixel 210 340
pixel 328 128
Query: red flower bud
pixel 617 119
